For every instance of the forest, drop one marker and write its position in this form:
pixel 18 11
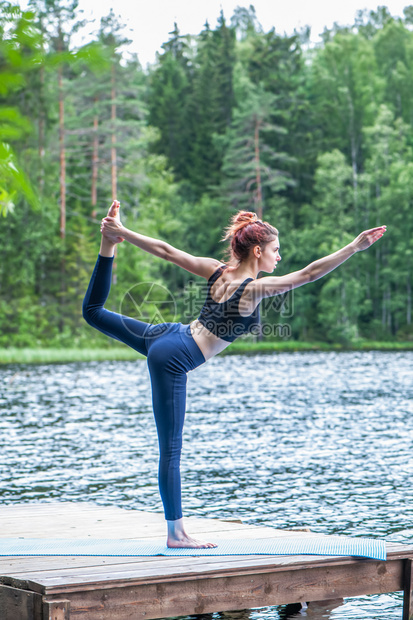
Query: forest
pixel 317 139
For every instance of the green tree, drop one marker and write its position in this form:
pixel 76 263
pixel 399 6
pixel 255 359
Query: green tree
pixel 346 88
pixel 210 104
pixel 393 46
pixel 387 182
pixel 20 53
pixel 245 22
pixel 340 293
pixel 168 99
pixel 277 62
pixel 251 169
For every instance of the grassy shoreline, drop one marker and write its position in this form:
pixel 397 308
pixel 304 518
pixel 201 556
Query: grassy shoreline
pixel 54 356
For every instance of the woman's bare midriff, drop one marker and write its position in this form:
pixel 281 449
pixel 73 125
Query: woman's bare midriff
pixel 209 344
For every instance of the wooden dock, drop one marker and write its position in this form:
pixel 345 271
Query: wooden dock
pixel 141 588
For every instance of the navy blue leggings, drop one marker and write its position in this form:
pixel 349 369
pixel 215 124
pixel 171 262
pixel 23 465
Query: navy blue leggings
pixel 171 352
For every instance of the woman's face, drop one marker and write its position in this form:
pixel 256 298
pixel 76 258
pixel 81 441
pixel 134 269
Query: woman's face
pixel 270 256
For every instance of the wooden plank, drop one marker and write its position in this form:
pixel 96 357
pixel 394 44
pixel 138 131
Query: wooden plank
pixel 172 598
pixel 153 532
pixel 400 550
pixel 17 604
pixel 46 508
pixel 56 610
pixel 81 526
pixel 18 565
pixel 125 577
pixel 12 512
pixel 136 566
pixel 408 590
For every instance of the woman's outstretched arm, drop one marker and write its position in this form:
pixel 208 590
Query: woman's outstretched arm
pixel 197 265
pixel 273 285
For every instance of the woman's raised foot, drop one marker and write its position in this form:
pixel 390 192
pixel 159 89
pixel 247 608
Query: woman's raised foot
pixel 112 213
pixel 114 210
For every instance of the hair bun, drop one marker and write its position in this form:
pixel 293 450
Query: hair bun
pixel 245 217
pixel 239 221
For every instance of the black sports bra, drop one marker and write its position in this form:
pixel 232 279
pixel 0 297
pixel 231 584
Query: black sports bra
pixel 223 319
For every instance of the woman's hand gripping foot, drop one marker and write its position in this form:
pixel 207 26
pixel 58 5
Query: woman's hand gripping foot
pixel 179 539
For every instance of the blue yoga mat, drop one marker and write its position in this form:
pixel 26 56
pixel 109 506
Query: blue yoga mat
pixel 294 545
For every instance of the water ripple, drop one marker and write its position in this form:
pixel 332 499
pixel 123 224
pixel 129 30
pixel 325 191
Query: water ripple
pixel 321 440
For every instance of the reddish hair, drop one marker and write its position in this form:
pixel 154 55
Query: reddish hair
pixel 246 231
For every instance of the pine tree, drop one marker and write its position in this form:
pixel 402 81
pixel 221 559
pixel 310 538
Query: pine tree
pixel 251 168
pixel 209 113
pixel 168 99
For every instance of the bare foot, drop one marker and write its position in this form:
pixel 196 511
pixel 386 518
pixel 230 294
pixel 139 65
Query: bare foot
pixel 179 539
pixel 113 212
pixel 186 542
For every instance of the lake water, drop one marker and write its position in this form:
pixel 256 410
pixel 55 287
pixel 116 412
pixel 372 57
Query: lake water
pixel 320 440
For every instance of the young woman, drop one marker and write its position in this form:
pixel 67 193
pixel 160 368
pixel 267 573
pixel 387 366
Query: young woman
pixel 230 310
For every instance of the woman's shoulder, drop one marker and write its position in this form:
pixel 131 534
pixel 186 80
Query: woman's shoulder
pixel 221 267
